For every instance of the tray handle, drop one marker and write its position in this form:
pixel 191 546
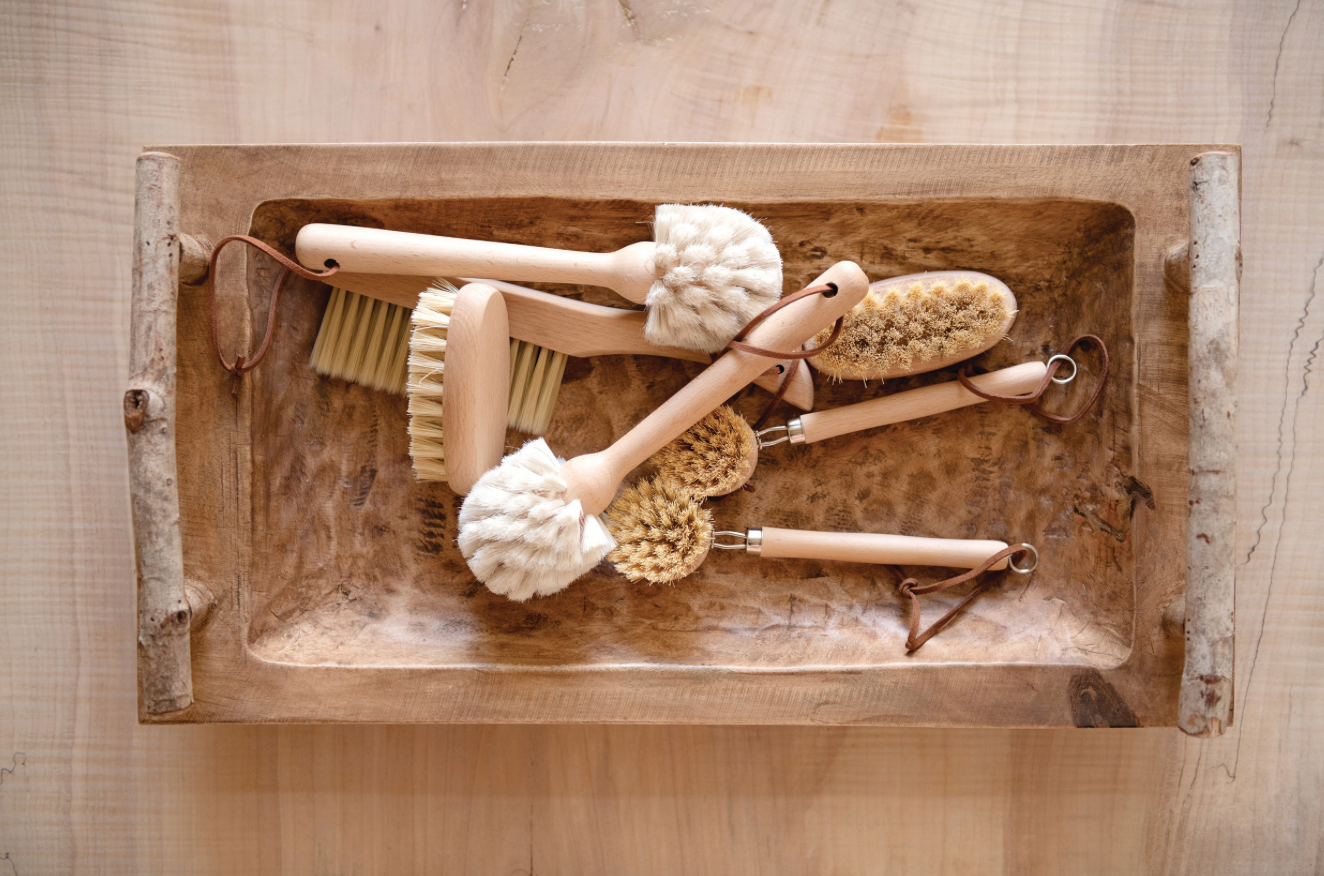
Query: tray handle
pixel 165 675
pixel 1205 707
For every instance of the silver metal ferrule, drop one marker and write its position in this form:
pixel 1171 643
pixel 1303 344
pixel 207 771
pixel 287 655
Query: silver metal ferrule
pixel 795 431
pixel 754 542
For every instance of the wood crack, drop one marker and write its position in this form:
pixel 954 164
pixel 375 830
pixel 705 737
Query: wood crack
pixel 1273 95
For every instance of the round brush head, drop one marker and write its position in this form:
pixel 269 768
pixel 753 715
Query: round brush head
pixel 518 533
pixel 717 269
pixel 917 323
pixel 662 532
pixel 715 457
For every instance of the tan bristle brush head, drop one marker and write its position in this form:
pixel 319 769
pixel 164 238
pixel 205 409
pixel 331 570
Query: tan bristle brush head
pixel 918 323
pixel 662 532
pixel 364 341
pixel 427 370
pixel 715 457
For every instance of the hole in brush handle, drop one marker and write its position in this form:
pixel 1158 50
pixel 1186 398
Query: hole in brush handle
pixel 831 293
pixel 331 263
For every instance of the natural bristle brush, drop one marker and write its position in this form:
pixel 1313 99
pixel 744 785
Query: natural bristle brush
pixel 364 339
pixel 707 272
pixel 459 375
pixel 918 323
pixel 663 533
pixel 531 525
pixel 719 454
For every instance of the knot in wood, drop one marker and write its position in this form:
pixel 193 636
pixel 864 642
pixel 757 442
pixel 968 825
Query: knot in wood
pixel 135 408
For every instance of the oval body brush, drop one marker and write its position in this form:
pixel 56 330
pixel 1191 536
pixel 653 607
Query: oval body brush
pixel 708 271
pixel 663 533
pixel 459 374
pixel 718 455
pixel 366 340
pixel 918 323
pixel 531 525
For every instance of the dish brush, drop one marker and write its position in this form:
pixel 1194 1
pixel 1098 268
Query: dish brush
pixel 663 533
pixel 364 338
pixel 706 274
pixel 718 455
pixel 532 525
pixel 918 323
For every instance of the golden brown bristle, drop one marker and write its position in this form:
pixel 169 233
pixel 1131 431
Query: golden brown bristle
pixel 901 327
pixel 662 532
pixel 715 457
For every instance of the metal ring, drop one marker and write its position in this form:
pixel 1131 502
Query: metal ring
pixel 729 547
pixel 1011 562
pixel 1066 358
pixel 762 444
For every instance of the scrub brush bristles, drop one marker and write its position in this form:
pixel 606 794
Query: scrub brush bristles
pixel 535 383
pixel 899 329
pixel 427 369
pixel 363 340
pixel 662 532
pixel 715 457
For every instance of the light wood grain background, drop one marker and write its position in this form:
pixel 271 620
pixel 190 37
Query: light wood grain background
pixel 82 787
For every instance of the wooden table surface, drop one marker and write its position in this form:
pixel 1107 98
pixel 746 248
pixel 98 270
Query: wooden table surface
pixel 82 787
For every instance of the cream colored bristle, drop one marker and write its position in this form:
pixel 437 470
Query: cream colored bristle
pixel 715 457
pixel 362 340
pixel 662 532
pixel 896 329
pixel 427 366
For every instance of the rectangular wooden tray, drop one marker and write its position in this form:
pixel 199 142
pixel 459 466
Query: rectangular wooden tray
pixel 306 576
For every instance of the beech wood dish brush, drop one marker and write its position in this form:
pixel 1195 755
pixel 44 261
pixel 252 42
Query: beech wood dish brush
pixel 532 525
pixel 706 274
pixel 663 533
pixel 718 455
pixel 364 338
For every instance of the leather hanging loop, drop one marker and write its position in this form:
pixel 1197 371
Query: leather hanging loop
pixel 1029 399
pixel 239 367
pixel 913 590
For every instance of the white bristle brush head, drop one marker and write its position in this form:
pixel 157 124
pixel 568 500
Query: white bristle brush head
pixel 520 536
pixel 717 269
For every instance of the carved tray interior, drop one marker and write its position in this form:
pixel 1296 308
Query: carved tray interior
pixel 355 562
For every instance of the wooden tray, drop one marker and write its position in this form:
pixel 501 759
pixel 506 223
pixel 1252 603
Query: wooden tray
pixel 308 577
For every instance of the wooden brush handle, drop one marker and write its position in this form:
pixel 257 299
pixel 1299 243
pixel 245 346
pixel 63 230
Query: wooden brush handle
pixel 864 547
pixel 593 478
pixel 477 380
pixel 916 403
pixel 569 326
pixel 629 271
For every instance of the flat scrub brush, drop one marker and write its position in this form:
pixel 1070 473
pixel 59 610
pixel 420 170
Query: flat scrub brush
pixel 531 525
pixel 918 323
pixel 708 271
pixel 663 534
pixel 718 455
pixel 364 338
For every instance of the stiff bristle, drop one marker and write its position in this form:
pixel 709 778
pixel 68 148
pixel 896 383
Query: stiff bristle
pixel 427 369
pixel 898 329
pixel 662 532
pixel 715 457
pixel 535 383
pixel 362 340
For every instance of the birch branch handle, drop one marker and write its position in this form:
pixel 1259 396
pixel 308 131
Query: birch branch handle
pixel 165 676
pixel 863 547
pixel 1205 707
pixel 593 478
pixel 916 403
pixel 628 271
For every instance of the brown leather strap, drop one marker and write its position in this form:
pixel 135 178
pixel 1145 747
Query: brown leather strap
pixel 240 367
pixel 1028 399
pixel 789 374
pixel 912 589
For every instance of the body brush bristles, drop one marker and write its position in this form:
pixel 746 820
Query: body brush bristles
pixel 364 341
pixel 662 532
pixel 427 370
pixel 918 323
